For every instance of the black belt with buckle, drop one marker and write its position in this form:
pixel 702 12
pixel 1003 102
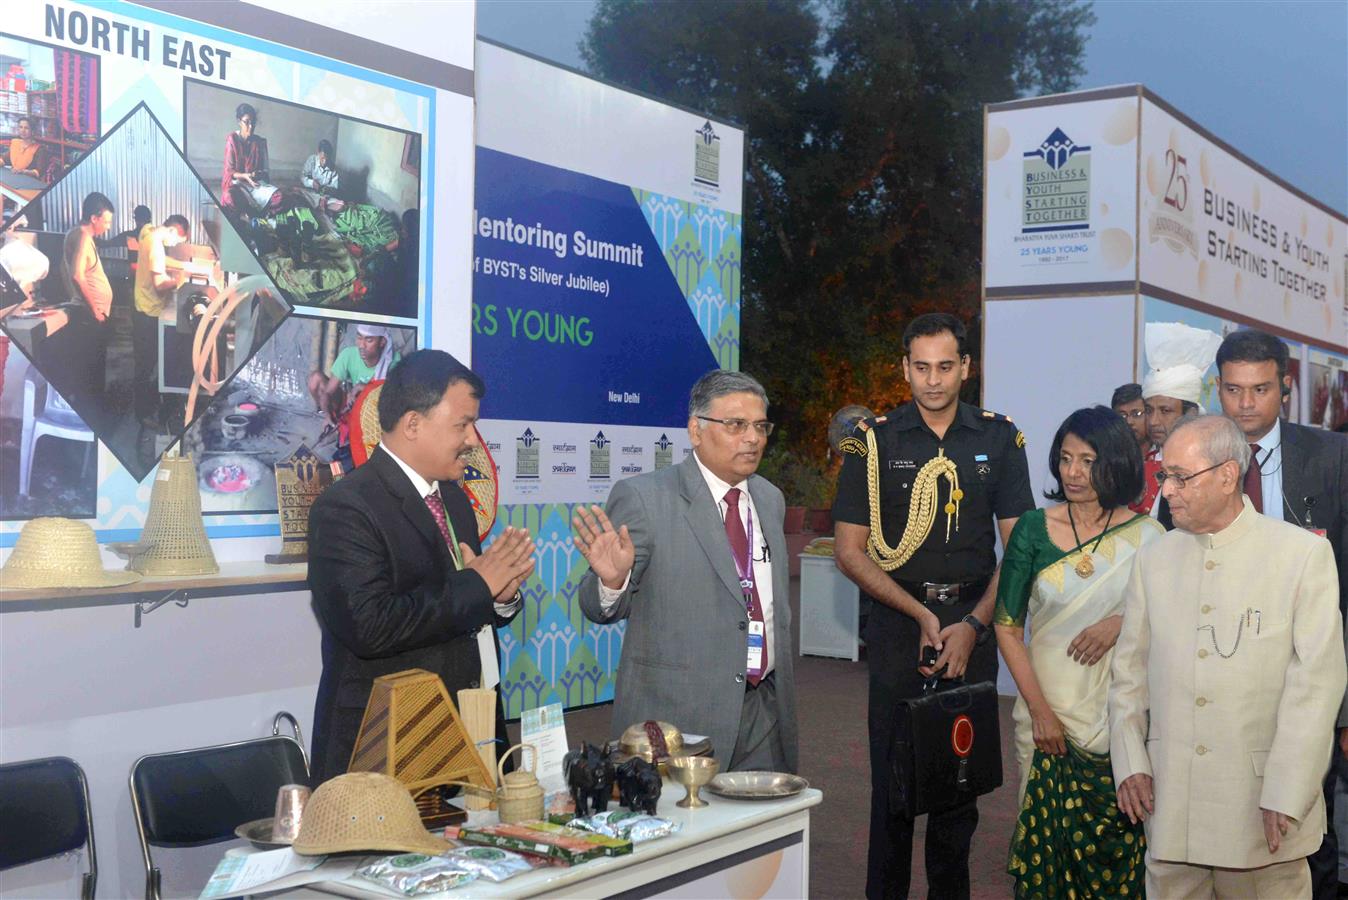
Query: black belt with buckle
pixel 937 593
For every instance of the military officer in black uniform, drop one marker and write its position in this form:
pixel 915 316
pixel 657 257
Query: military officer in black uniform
pixel 934 587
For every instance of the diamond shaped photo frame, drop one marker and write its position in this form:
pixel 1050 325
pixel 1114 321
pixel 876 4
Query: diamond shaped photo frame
pixel 137 329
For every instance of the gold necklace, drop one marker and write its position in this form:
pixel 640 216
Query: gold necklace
pixel 1085 566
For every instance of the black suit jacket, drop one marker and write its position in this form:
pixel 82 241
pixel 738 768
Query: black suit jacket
pixel 388 598
pixel 1315 488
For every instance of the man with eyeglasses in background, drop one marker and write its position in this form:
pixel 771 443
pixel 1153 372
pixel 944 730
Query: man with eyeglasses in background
pixel 693 557
pixel 962 470
pixel 1296 474
pixel 1127 402
pixel 1227 678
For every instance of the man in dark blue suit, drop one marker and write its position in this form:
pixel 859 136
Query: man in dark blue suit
pixel 398 577
pixel 1297 474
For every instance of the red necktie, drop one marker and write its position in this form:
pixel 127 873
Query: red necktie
pixel 1254 480
pixel 437 508
pixel 744 563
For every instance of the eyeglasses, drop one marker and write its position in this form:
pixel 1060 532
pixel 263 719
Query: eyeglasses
pixel 1131 414
pixel 1181 480
pixel 739 426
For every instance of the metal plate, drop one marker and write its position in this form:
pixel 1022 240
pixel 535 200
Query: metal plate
pixel 756 785
pixel 258 833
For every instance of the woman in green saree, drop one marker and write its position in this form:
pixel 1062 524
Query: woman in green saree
pixel 1066 568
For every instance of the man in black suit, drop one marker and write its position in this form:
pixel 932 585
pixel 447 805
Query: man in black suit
pixel 1297 474
pixel 398 577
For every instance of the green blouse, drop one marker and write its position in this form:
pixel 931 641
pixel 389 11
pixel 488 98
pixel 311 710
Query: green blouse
pixel 1028 553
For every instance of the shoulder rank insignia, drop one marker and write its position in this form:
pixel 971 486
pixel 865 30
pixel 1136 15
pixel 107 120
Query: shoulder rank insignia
pixel 1020 439
pixel 997 417
pixel 852 445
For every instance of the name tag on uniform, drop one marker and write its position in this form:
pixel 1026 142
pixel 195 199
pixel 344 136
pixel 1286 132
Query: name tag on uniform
pixel 757 641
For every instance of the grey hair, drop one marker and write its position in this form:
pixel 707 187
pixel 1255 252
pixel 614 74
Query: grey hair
pixel 1218 437
pixel 718 383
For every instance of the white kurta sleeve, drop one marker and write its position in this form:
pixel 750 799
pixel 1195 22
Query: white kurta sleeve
pixel 1129 698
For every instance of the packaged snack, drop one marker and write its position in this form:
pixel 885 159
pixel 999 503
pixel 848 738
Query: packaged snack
pixel 414 874
pixel 546 839
pixel 490 863
pixel 629 826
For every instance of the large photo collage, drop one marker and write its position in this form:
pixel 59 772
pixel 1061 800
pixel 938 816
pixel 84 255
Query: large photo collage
pixel 228 298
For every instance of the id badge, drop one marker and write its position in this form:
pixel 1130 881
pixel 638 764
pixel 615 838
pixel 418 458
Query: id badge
pixel 1318 531
pixel 756 644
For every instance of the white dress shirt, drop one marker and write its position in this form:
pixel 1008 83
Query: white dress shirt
pixel 762 564
pixel 486 646
pixel 1270 469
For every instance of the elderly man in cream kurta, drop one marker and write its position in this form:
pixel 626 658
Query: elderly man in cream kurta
pixel 1228 675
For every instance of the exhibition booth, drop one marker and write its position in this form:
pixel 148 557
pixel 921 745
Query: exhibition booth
pixel 282 208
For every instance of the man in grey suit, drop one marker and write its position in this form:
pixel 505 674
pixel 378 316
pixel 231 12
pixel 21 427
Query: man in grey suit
pixel 698 568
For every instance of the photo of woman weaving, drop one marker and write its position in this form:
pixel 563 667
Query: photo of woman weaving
pixel 320 200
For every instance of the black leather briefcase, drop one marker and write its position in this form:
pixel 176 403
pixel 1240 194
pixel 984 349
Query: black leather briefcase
pixel 947 748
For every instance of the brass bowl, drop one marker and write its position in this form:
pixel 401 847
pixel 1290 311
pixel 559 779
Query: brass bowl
pixel 692 772
pixel 635 741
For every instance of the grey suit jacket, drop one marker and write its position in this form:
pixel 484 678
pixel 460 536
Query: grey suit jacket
pixel 683 658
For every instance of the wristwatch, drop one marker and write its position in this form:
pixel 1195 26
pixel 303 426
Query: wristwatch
pixel 981 631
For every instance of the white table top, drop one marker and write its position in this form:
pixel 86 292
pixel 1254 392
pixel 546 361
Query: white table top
pixel 720 818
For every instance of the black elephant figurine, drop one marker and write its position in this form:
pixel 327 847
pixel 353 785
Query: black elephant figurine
pixel 639 785
pixel 589 775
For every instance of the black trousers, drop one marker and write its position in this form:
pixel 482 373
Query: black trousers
pixel 145 352
pixel 892 655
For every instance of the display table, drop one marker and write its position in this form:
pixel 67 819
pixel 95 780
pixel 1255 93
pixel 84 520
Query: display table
pixel 829 609
pixel 729 848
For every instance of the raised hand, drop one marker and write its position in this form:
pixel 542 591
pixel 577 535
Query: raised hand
pixel 505 564
pixel 610 553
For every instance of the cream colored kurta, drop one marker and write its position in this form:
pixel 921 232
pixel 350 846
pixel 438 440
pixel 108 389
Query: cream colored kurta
pixel 1242 724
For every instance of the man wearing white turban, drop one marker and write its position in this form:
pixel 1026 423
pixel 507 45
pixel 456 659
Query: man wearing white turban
pixel 1178 357
pixel 356 366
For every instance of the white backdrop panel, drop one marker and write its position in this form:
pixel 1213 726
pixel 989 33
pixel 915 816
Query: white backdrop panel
pixel 1069 167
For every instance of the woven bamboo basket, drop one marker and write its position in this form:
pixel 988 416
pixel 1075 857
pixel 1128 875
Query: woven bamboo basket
pixel 174 540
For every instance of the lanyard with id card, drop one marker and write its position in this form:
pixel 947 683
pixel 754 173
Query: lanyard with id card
pixel 756 661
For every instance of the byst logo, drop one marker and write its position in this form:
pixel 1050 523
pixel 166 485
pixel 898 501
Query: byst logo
pixel 1056 193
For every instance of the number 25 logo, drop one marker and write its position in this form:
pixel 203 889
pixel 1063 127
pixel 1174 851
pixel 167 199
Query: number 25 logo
pixel 1177 188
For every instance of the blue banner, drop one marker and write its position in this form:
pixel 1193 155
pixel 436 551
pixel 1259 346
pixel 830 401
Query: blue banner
pixel 578 315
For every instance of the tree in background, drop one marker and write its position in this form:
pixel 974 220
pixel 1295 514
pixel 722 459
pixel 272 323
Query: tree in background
pixel 864 175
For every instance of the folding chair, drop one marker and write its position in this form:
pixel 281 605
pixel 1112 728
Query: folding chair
pixel 44 812
pixel 188 798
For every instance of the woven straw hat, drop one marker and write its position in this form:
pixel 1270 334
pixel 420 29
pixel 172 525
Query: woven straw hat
pixel 364 811
pixel 58 553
